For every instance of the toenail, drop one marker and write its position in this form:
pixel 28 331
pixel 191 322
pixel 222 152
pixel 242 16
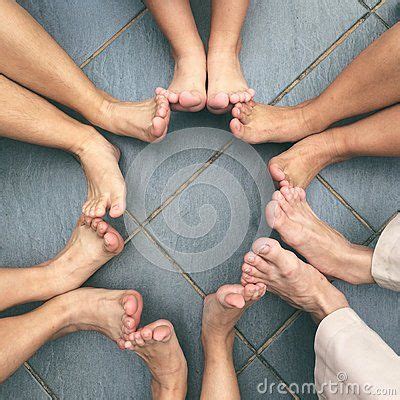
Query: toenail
pixel 247 270
pixel 250 258
pixel 263 248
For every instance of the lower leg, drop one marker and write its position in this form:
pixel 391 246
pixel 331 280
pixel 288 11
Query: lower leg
pixel 377 135
pixel 113 313
pixel 222 310
pixel 91 245
pixel 23 42
pixel 175 19
pixel 226 83
pixel 158 346
pixel 27 117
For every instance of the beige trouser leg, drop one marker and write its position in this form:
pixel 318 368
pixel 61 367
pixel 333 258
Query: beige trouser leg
pixel 386 258
pixel 352 361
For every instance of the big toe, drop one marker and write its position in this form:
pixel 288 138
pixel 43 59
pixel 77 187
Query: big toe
pixel 158 127
pixel 277 174
pixel 237 128
pixel 274 214
pixel 111 242
pixel 117 206
pixel 162 333
pixel 190 98
pixel 220 101
pixel 267 248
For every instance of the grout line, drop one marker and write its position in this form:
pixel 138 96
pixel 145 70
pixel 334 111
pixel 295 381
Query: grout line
pixel 345 203
pixel 326 53
pixel 202 294
pixel 271 339
pixel 381 229
pixel 40 381
pixel 185 184
pixel 113 38
pixel 281 330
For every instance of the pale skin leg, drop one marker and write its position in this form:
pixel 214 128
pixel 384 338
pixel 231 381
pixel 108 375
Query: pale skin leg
pixel 370 82
pixel 110 312
pixel 27 117
pixel 29 56
pixel 92 243
pixel 226 83
pixel 377 135
pixel 187 90
pixel 222 310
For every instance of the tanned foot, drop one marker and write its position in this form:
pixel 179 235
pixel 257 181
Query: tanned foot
pixel 145 120
pixel 158 346
pixel 299 165
pixel 187 91
pixel 323 247
pixel 106 185
pixel 223 309
pixel 226 83
pixel 260 123
pixel 114 313
pixel 92 244
pixel 296 282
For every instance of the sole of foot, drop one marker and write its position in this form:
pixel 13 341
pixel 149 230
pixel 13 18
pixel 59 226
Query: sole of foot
pixel 260 123
pixel 106 185
pixel 158 346
pixel 226 83
pixel 223 309
pixel 187 91
pixel 298 283
pixel 114 313
pixel 323 247
pixel 299 165
pixel 146 120
pixel 93 243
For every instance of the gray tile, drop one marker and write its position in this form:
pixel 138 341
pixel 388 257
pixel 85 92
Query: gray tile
pixel 390 12
pixel 282 38
pixel 377 307
pixel 257 382
pixel 38 186
pixel 22 386
pixel 166 165
pixel 326 72
pixel 335 214
pixel 82 27
pixel 298 341
pixel 74 365
pixel 369 185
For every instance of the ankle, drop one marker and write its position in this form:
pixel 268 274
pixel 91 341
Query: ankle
pixel 194 53
pixel 224 42
pixel 359 262
pixel 328 300
pixel 168 393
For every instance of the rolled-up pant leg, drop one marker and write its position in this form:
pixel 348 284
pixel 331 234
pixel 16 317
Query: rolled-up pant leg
pixel 386 258
pixel 352 361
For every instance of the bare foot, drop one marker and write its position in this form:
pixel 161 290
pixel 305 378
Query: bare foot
pixel 92 244
pixel 299 165
pixel 114 313
pixel 145 120
pixel 106 185
pixel 187 91
pixel 322 246
pixel 226 83
pixel 158 346
pixel 296 282
pixel 223 309
pixel 260 123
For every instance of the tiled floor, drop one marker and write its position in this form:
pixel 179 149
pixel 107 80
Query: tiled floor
pixel 292 51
